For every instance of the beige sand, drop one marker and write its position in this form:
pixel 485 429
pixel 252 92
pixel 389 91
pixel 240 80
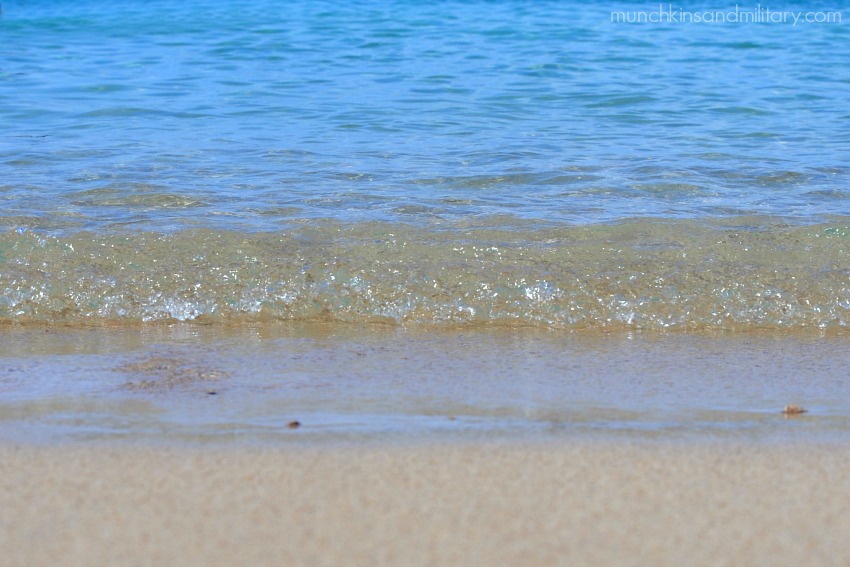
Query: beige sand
pixel 581 503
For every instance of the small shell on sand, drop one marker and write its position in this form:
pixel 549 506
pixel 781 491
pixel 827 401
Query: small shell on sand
pixel 794 409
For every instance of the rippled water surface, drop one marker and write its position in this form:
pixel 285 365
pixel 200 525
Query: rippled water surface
pixel 256 115
pixel 449 218
pixel 526 163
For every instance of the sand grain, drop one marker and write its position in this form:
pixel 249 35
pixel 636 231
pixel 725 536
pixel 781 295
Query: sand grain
pixel 612 504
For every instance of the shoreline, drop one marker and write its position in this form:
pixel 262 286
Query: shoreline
pixel 194 383
pixel 472 447
pixel 608 503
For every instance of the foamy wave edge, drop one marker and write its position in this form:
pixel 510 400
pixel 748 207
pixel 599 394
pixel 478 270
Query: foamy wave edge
pixel 644 274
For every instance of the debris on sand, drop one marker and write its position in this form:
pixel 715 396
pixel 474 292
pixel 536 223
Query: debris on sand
pixel 794 409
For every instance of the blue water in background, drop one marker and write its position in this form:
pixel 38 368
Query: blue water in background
pixel 258 115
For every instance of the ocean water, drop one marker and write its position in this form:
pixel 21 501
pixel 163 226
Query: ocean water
pixel 450 163
pixel 217 218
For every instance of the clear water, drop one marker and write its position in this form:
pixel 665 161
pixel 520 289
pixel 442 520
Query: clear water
pixel 260 159
pixel 207 384
pixel 254 115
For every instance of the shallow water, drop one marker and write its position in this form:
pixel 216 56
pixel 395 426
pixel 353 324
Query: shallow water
pixel 493 184
pixel 190 384
pixel 509 163
pixel 753 273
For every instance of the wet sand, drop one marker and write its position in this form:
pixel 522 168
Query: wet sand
pixel 173 446
pixel 191 383
pixel 604 503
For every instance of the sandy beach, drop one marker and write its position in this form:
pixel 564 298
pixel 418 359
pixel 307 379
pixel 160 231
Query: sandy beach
pixel 582 503
pixel 461 284
pixel 173 447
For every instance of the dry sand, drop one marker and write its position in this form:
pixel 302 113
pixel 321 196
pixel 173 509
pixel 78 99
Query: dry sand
pixel 573 503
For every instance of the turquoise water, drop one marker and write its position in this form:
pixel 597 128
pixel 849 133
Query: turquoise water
pixel 266 159
pixel 256 115
pixel 471 166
